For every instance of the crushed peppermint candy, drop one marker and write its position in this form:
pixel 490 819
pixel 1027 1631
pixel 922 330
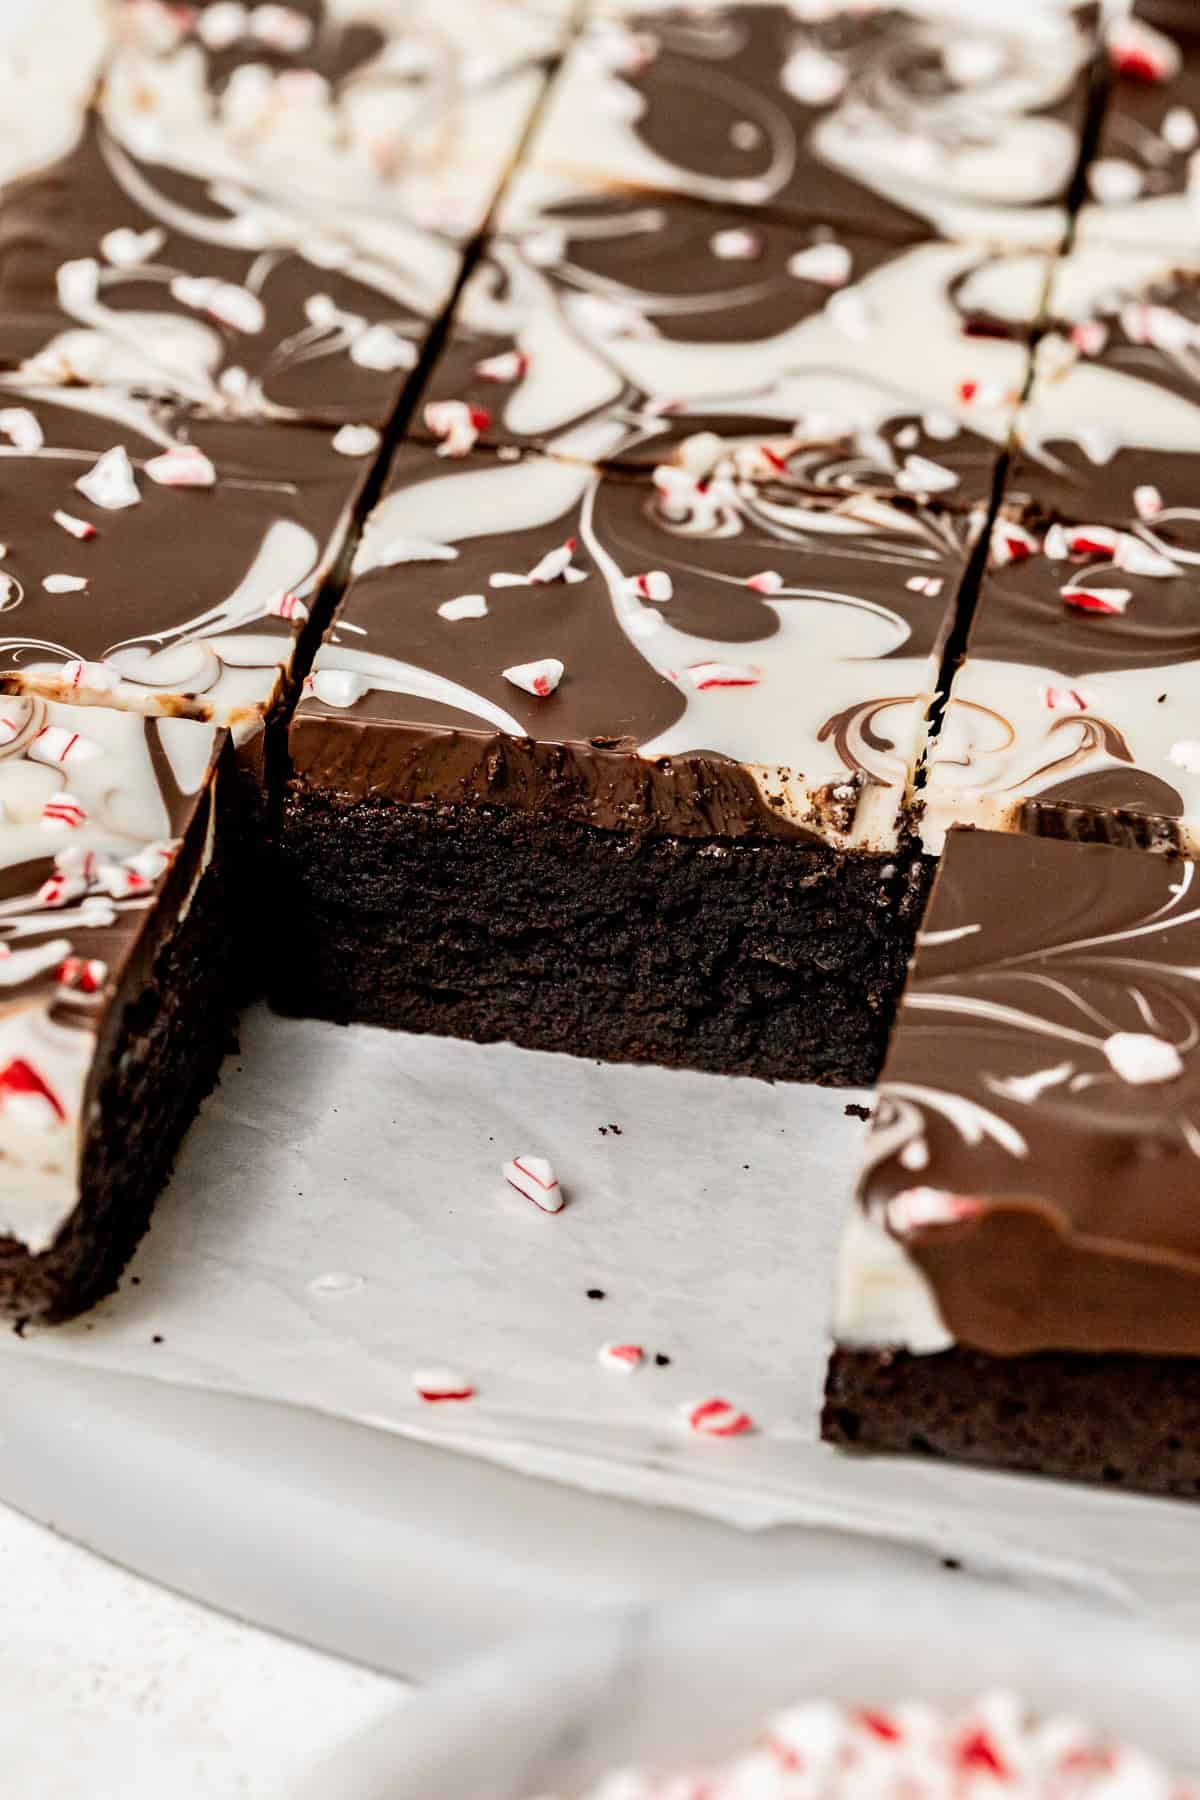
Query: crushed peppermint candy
pixel 717 1418
pixel 64 584
pixel 436 1386
pixel 534 1177
pixel 705 675
pixel 919 475
pixel 465 606
pixel 507 366
pixel 931 585
pixel 456 425
pixel 655 585
pixel 1063 699
pixel 124 248
pixel 1141 53
pixel 64 809
pixel 76 528
pixel 624 1358
pixel 537 678
pixel 100 676
pixel 288 606
pixel 1141 1059
pixel 767 581
pixel 110 482
pixel 1012 542
pixel 829 264
pixel 86 974
pixel 356 440
pixel 817 1747
pixel 915 1208
pixel 1147 500
pixel 182 466
pixel 55 744
pixel 336 687
pixel 1097 600
pixel 556 565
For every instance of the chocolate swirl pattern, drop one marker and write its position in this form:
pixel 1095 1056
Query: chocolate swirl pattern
pixel 1032 1172
pixel 789 633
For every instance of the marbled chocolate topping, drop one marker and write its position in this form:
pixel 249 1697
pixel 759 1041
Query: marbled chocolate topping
pixel 105 820
pixel 893 117
pixel 1033 1164
pixel 611 327
pixel 737 655
pixel 119 271
pixel 177 578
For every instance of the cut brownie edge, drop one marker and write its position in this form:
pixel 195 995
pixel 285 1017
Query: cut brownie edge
pixel 743 956
pixel 1121 1420
pixel 162 1060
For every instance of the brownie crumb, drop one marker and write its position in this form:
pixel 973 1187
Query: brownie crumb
pixel 855 1111
pixel 157 1338
pixel 596 1294
pixel 663 1362
pixel 615 1129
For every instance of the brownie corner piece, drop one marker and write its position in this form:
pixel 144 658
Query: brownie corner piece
pixel 1019 1275
pixel 117 975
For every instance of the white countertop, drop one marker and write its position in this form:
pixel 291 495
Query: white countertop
pixel 115 1688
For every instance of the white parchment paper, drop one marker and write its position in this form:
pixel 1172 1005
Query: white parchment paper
pixel 339 1220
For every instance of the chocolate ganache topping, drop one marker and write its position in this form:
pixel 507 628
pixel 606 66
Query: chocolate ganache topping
pixel 677 652
pixel 1032 1175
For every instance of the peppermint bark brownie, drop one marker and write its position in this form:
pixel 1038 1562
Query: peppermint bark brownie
pixel 116 970
pixel 896 118
pixel 619 765
pixel 1018 1283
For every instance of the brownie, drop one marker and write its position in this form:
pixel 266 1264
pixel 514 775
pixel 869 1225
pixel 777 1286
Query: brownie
pixel 160 560
pixel 368 120
pixel 618 326
pixel 1018 1281
pixel 891 117
pixel 619 763
pixel 118 953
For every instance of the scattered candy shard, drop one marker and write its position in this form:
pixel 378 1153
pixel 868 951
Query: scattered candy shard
pixel 534 1177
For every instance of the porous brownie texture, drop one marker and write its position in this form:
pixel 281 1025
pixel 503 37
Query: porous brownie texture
pixel 1121 1420
pixel 756 957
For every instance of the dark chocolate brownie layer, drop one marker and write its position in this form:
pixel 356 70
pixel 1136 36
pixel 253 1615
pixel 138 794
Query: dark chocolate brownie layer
pixel 165 1056
pixel 1124 1420
pixel 749 956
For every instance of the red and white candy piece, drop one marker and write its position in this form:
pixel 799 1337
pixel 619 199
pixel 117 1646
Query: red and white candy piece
pixel 655 585
pixel 829 264
pixel 64 809
pixel 1089 336
pixel 23 1090
pixel 55 744
pixel 1147 500
pixel 767 581
pixel 76 528
pixel 98 675
pixel 153 861
pixel 456 425
pixel 508 366
pixel 556 565
pixel 1139 52
pixel 534 1177
pixel 1141 1059
pixel 356 440
pixel 464 606
pixel 74 860
pixel 1097 600
pixel 182 466
pixel 60 890
pixel 86 974
pixel 381 348
pixel 537 678
pixel 21 428
pixel 288 606
pixel 718 1418
pixel 705 675
pixel 1063 699
pixel 64 584
pixel 12 724
pixel 438 1386
pixel 110 483
pixel 1011 543
pixel 624 1358
pixel 915 1208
